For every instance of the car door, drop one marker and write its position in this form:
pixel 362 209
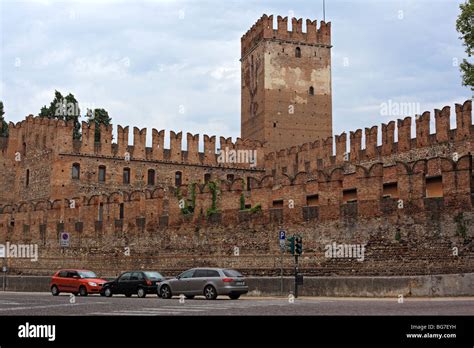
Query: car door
pixel 196 285
pixel 73 283
pixel 182 283
pixel 136 279
pixel 123 283
pixel 62 281
pixel 214 278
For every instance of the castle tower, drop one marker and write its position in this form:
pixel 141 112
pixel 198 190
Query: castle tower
pixel 286 95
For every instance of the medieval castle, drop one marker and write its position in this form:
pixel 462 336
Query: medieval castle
pixel 409 200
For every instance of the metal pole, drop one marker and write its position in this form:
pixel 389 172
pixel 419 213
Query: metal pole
pixel 4 283
pixel 281 273
pixel 324 10
pixel 296 276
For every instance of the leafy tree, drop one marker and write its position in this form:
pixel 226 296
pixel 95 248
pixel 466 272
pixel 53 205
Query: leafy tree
pixel 64 108
pixel 3 123
pixel 98 116
pixel 465 26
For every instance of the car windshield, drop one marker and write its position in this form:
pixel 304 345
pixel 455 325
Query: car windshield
pixel 232 273
pixel 87 274
pixel 153 275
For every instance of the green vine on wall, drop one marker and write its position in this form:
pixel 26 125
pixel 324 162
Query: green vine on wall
pixel 189 206
pixel 214 190
pixel 242 201
pixel 398 235
pixel 461 227
pixel 256 209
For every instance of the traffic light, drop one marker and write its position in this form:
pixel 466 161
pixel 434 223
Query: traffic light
pixel 290 245
pixel 298 245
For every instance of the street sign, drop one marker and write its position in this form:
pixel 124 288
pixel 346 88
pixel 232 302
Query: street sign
pixel 282 234
pixel 65 239
pixel 4 269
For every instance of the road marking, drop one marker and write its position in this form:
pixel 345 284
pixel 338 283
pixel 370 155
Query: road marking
pixel 134 313
pixel 196 307
pixel 50 306
pixel 147 311
pixel 127 314
pixel 172 309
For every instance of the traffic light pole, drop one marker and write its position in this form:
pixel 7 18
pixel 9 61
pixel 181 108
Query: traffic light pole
pixel 296 276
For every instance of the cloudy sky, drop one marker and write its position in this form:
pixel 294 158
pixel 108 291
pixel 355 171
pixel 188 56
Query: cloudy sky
pixel 175 64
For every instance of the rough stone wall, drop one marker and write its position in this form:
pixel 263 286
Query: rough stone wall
pixel 425 247
pixel 416 237
pixel 405 230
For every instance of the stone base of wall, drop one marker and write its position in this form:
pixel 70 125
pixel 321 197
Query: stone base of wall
pixel 418 286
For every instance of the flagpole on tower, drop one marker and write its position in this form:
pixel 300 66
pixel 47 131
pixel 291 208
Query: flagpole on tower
pixel 324 10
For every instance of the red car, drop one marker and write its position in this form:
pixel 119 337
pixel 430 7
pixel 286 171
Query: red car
pixel 76 281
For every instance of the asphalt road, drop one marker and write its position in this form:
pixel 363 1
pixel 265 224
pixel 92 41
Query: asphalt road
pixel 38 304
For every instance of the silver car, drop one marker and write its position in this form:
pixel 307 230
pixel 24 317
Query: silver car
pixel 209 282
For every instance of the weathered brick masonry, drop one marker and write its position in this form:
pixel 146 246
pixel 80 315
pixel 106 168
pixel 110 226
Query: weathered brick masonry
pixel 353 201
pixel 409 200
pixel 286 82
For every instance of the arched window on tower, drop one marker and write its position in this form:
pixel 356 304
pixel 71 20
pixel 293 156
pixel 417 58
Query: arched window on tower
pixel 151 177
pixel 126 176
pixel 101 173
pixel 298 52
pixel 76 171
pixel 178 178
pixel 311 90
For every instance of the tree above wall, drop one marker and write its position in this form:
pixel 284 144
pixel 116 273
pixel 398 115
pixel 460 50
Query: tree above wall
pixel 3 123
pixel 64 108
pixel 465 26
pixel 98 116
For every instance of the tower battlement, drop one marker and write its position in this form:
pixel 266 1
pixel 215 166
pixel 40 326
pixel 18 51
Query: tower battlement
pixel 263 29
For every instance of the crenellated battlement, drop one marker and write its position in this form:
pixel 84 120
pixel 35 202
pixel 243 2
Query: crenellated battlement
pixel 263 29
pixel 370 150
pixel 36 133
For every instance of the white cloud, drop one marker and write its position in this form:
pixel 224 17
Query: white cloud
pixel 140 60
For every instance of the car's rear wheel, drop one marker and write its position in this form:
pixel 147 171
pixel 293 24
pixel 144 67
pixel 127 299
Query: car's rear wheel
pixel 108 292
pixel 165 292
pixel 141 293
pixel 234 296
pixel 189 297
pixel 55 290
pixel 210 292
pixel 82 290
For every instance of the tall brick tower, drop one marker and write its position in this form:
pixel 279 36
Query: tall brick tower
pixel 286 95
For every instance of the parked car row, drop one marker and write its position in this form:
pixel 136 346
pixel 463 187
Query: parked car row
pixel 207 282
